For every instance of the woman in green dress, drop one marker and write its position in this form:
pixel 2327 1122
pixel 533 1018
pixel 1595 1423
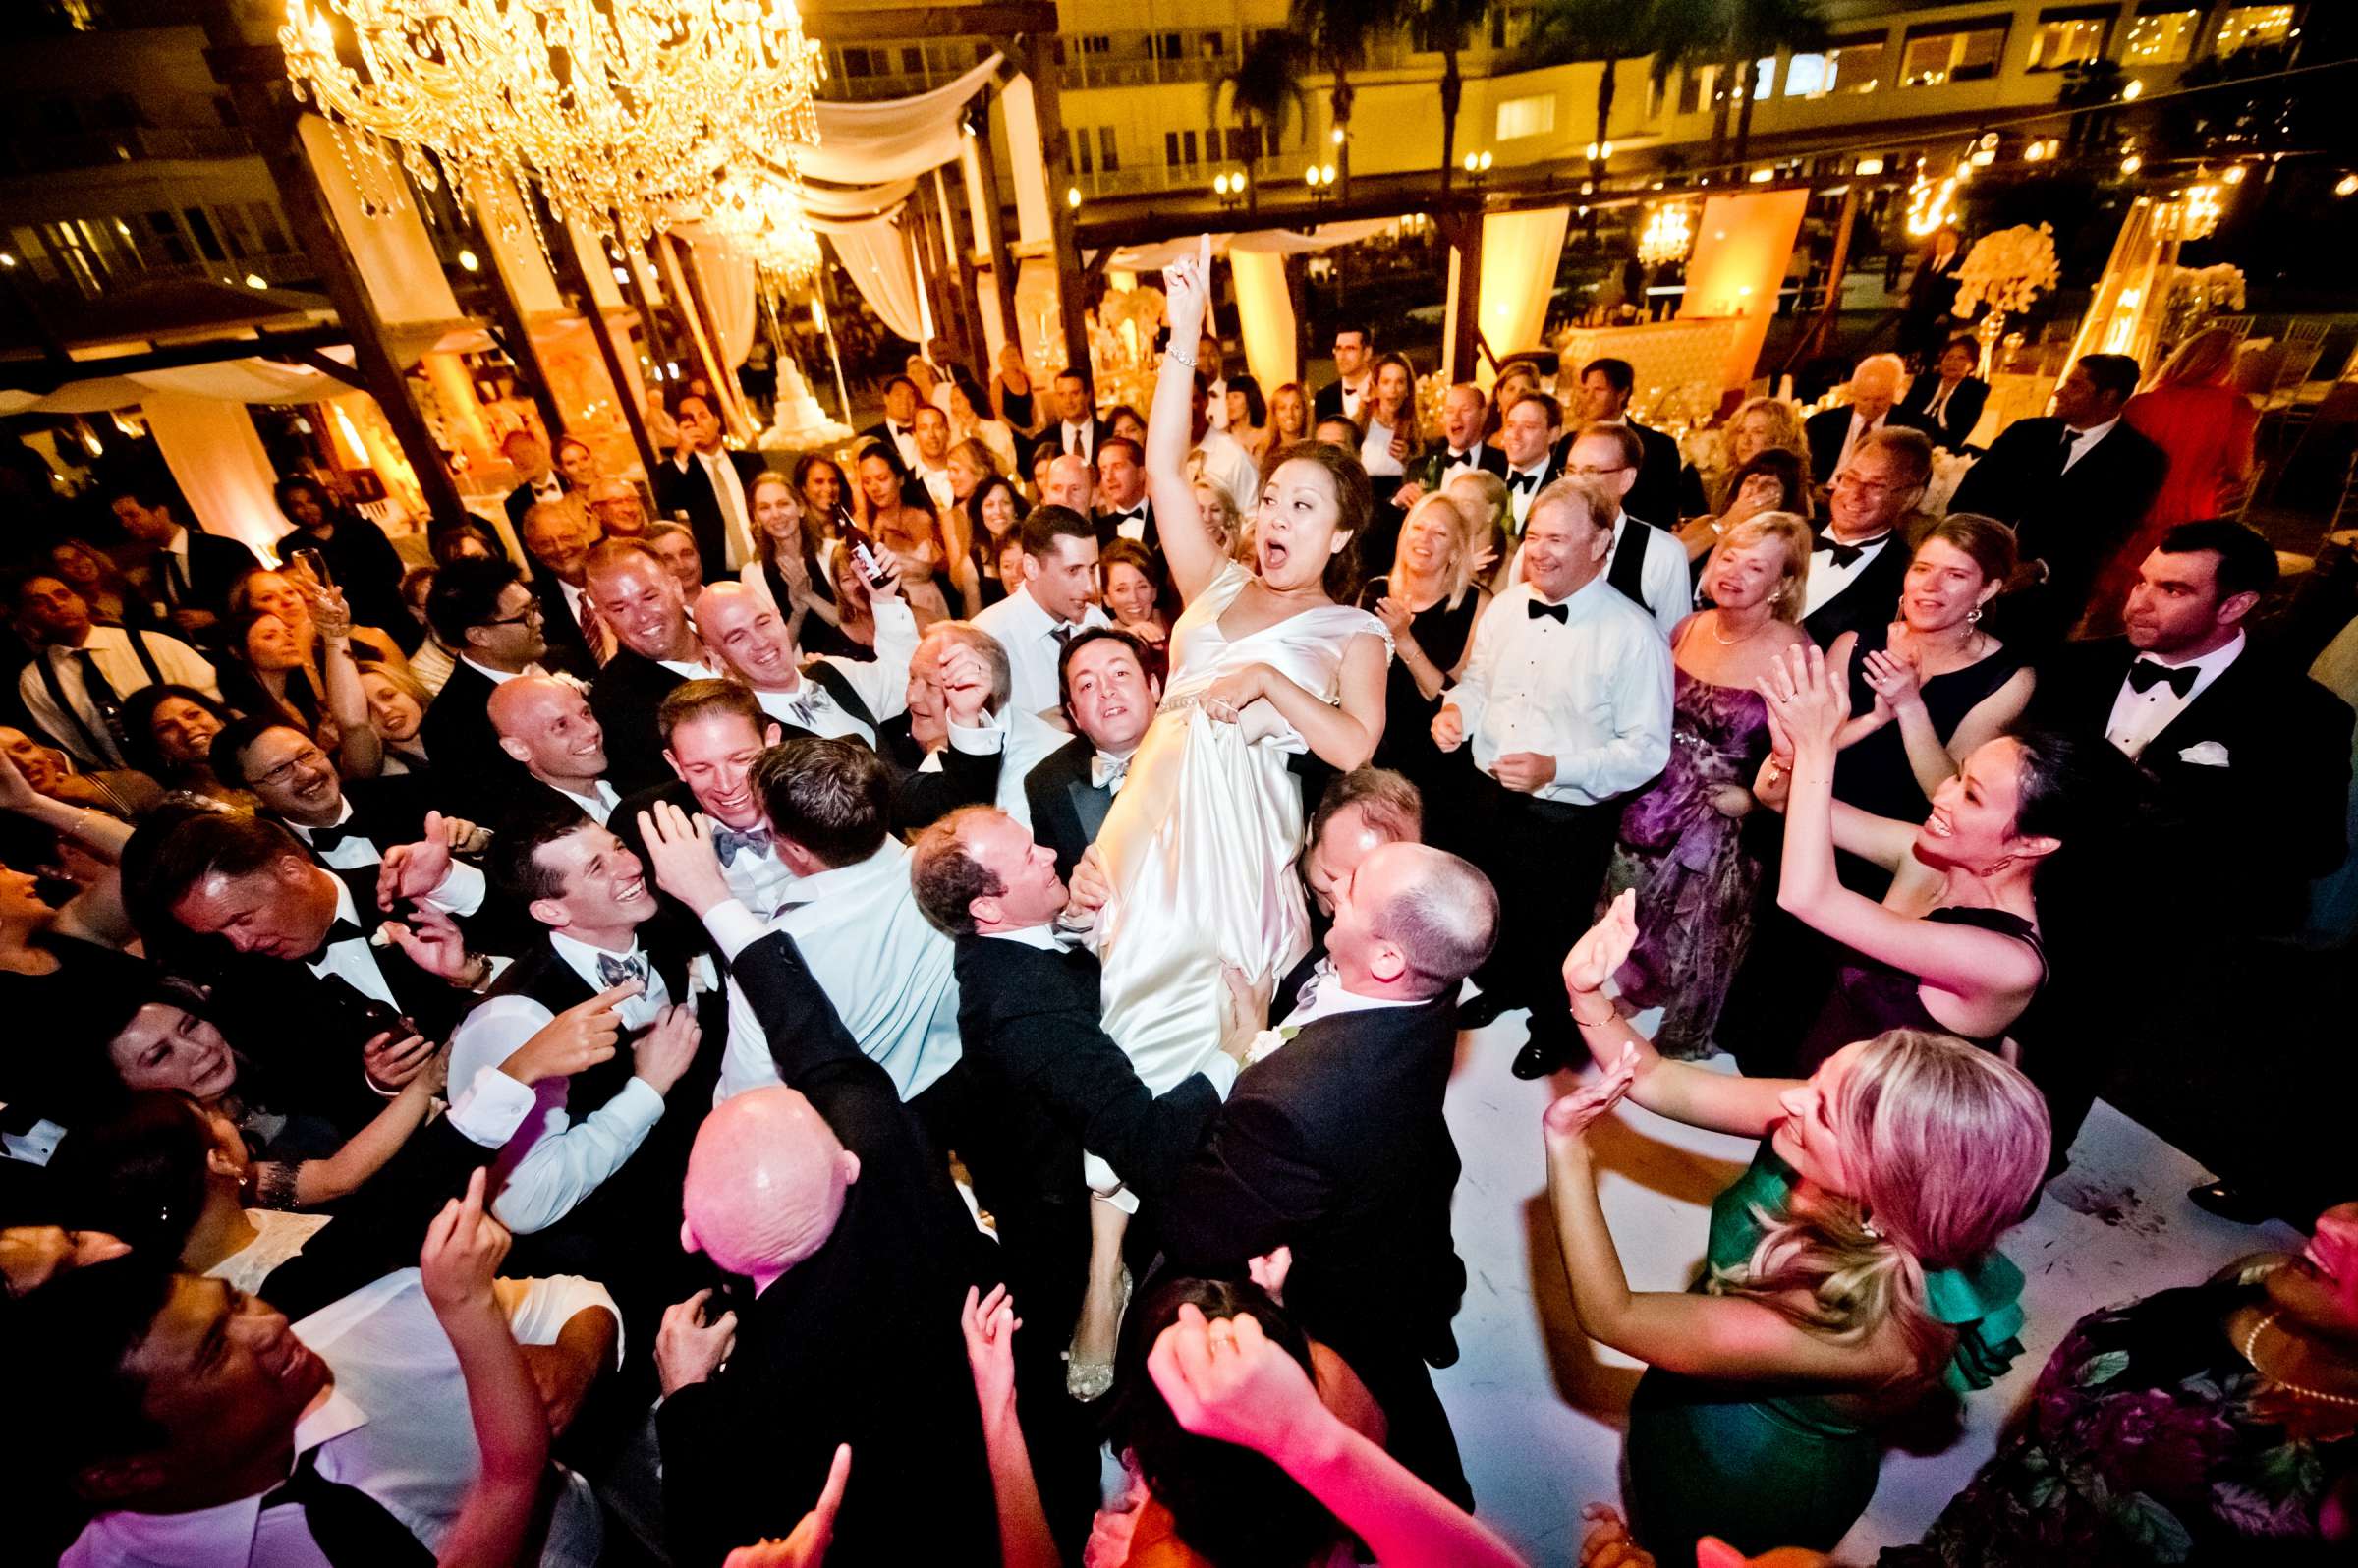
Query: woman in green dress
pixel 1850 1271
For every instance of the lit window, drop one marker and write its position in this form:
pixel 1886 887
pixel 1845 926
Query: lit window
pixel 2163 36
pixel 1526 117
pixel 1763 77
pixel 2242 27
pixel 1963 51
pixel 1806 76
pixel 2069 38
pixel 1854 65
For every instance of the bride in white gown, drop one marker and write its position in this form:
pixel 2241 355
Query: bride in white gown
pixel 1199 847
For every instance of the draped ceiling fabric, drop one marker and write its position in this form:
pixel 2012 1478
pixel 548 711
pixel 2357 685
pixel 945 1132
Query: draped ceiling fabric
pixel 395 259
pixel 1519 252
pixel 218 461
pixel 877 258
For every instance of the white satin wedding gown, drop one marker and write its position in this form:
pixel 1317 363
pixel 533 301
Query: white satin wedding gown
pixel 1199 844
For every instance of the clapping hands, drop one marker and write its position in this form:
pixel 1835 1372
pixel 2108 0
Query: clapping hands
pixel 1808 696
pixel 1568 1120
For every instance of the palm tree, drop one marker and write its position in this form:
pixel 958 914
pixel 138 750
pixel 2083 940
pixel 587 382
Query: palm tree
pixel 1689 34
pixel 1263 88
pixel 1443 27
pixel 1604 31
pixel 1763 28
pixel 1338 32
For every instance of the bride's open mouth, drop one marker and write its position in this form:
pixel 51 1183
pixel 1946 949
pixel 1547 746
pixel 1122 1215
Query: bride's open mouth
pixel 1272 554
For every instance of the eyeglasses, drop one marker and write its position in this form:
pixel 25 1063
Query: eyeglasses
pixel 1848 479
pixel 309 756
pixel 1590 471
pixel 530 612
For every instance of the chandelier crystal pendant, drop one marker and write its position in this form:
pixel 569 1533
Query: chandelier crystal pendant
pixel 760 211
pixel 1670 231
pixel 618 110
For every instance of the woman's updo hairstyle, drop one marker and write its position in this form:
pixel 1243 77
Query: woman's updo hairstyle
pixel 1354 504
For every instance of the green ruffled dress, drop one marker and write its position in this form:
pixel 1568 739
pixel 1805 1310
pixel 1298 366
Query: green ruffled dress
pixel 1762 1468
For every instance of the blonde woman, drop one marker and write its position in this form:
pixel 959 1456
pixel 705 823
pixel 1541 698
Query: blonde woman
pixel 1851 1271
pixel 1289 416
pixel 1759 426
pixel 1431 603
pixel 1217 510
pixel 1482 502
pixel 1682 848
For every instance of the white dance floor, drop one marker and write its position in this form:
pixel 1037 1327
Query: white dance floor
pixel 1538 1406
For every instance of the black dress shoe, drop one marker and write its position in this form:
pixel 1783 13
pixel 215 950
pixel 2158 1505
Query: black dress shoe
pixel 2236 1205
pixel 1481 1012
pixel 1537 1059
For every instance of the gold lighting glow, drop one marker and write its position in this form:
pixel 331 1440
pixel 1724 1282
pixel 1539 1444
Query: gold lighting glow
pixel 1670 231
pixel 1930 202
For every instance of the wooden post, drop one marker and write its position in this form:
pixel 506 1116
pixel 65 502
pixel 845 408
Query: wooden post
pixel 630 388
pixel 244 58
pixel 1465 236
pixel 1810 341
pixel 995 221
pixel 1037 54
pixel 509 314
pixel 960 240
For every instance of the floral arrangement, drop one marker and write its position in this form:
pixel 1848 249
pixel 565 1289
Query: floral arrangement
pixel 2006 270
pixel 2209 289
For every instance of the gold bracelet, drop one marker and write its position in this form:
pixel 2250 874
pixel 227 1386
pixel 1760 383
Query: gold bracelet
pixel 1611 1013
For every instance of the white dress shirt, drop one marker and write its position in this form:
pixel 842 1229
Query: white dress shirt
pixel 757 878
pixel 881 682
pixel 736 514
pixel 1465 461
pixel 111 650
pixel 1132 524
pixel 395 1423
pixel 1221 459
pixel 1353 395
pixel 354 959
pixel 936 481
pixel 459 892
pixel 1027 632
pixel 548 1162
pixel 1592 692
pixel 1025 740
pixel 1662 575
pixel 886 968
pixel 904 439
pixel 1827 580
pixel 1520 499
pixel 2086 439
pixel 599 803
pixel 2138 716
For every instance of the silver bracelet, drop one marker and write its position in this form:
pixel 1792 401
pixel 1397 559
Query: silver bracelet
pixel 1174 353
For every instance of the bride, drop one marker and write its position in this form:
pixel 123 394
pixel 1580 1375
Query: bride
pixel 1198 850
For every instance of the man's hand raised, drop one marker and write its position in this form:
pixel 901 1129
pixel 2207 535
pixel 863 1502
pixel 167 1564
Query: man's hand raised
pixel 580 1036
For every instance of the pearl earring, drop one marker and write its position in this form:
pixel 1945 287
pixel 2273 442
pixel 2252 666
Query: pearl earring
pixel 1973 616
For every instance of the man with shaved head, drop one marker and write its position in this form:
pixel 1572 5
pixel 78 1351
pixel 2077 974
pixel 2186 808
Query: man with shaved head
pixel 823 1190
pixel 546 726
pixel 1333 1143
pixel 748 636
pixel 1072 482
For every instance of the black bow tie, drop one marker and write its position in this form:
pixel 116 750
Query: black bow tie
pixel 1522 482
pixel 1117 518
pixel 342 931
pixel 2145 674
pixel 324 839
pixel 1846 556
pixel 1544 613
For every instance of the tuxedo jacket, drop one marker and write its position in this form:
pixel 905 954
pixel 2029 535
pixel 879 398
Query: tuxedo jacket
pixel 1487 456
pixel 1108 529
pixel 1667 493
pixel 520 501
pixel 1067 809
pixel 1328 404
pixel 215 564
pixel 566 640
pixel 690 490
pixel 1336 1147
pixel 921 798
pixel 2074 520
pixel 2265 808
pixel 1828 429
pixel 473 776
pixel 1871 599
pixel 880 1298
pixel 628 687
pixel 1958 416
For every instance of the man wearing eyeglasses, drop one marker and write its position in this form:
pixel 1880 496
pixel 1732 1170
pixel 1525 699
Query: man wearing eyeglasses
pixel 1647 565
pixel 485 611
pixel 1856 571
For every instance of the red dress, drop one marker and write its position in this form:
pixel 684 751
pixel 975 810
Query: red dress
pixel 2206 431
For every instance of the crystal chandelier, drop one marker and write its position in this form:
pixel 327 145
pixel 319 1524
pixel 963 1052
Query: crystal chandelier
pixel 760 211
pixel 618 110
pixel 1668 231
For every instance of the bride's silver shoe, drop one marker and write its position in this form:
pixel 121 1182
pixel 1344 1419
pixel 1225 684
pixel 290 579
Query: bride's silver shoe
pixel 1091 1380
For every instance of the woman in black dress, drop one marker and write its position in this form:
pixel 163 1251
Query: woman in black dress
pixel 1932 686
pixel 1431 603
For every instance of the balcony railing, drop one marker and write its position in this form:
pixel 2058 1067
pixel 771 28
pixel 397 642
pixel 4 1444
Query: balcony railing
pixel 94 149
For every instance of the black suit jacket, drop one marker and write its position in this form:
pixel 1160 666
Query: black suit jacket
pixel 216 563
pixel 473 776
pixel 920 798
pixel 1328 405
pixel 1826 429
pixel 1958 416
pixel 860 1340
pixel 1336 1147
pixel 1661 495
pixel 566 640
pixel 2258 829
pixel 1056 436
pixel 1871 599
pixel 2072 521
pixel 1067 809
pixel 690 490
pixel 1108 529
pixel 1487 456
pixel 624 697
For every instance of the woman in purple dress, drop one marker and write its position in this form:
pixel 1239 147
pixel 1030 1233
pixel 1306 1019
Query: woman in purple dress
pixel 1682 841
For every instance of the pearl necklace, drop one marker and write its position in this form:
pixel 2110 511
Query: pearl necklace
pixel 1731 641
pixel 2252 1340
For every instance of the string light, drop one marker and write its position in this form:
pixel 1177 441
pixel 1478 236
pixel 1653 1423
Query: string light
pixel 1930 204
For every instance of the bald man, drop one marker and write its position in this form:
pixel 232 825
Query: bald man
pixel 1333 1143
pixel 1072 482
pixel 545 727
pixel 828 1196
pixel 746 637
pixel 640 601
pixel 1832 433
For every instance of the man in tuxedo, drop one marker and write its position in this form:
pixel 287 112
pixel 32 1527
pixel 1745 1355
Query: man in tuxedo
pixel 713 734
pixel 1359 813
pixel 1950 402
pixel 1861 560
pixel 929 475
pixel 748 640
pixel 186 573
pixel 1645 564
pixel 1665 491
pixel 1336 1146
pixel 1833 433
pixel 1044 1082
pixel 1071 483
pixel 713 486
pixel 547 728
pixel 675 547
pixel 898 428
pixel 1464 409
pixel 591 1182
pixel 1078 431
pixel 2250 759
pixel 1109 700
pixel 540 480
pixel 1056 600
pixel 559 535
pixel 1527 438
pixel 2073 488
pixel 1354 363
pixel 656 647
pixel 484 612
pixel 1123 510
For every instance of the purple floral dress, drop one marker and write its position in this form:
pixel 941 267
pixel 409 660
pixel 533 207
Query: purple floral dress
pixel 1697 883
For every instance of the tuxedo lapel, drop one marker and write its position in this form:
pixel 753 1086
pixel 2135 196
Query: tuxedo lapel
pixel 1090 804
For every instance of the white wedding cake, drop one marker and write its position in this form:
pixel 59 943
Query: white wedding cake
pixel 801 421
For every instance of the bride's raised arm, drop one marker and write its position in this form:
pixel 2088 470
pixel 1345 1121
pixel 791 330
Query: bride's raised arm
pixel 1193 555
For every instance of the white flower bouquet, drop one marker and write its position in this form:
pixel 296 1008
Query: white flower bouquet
pixel 2007 269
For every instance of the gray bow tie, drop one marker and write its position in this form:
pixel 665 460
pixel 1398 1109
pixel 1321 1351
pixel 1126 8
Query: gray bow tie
pixel 612 971
pixel 728 841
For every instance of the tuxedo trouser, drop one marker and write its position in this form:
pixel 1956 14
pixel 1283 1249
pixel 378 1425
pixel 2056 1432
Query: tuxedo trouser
pixel 1417 1427
pixel 1547 859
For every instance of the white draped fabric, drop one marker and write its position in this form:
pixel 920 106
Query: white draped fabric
pixel 390 248
pixel 892 139
pixel 727 275
pixel 878 257
pixel 218 461
pixel 1265 316
pixel 1260 242
pixel 1519 252
pixel 228 381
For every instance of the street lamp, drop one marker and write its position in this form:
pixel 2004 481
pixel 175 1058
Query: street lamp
pixel 1230 189
pixel 1320 177
pixel 1478 166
